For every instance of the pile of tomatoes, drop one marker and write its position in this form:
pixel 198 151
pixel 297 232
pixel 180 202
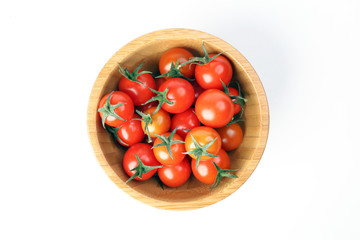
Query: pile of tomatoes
pixel 180 122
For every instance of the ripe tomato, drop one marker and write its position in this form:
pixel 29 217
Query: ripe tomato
pixel 160 122
pixel 206 172
pixel 160 81
pixel 198 90
pixel 146 155
pixel 145 107
pixel 169 148
pixel 234 92
pixel 112 115
pixel 211 74
pixel 184 122
pixel 130 132
pixel 138 90
pixel 173 55
pixel 175 175
pixel 231 136
pixel 207 145
pixel 214 108
pixel 180 93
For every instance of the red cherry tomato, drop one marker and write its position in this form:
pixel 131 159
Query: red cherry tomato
pixel 214 108
pixel 234 92
pixel 173 55
pixel 147 106
pixel 184 122
pixel 211 74
pixel 231 136
pixel 138 92
pixel 175 175
pixel 206 171
pixel 124 111
pixel 160 81
pixel 177 149
pixel 131 132
pixel 180 92
pixel 146 155
pixel 203 136
pixel 198 90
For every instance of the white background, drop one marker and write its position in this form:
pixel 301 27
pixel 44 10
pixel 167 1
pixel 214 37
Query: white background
pixel 307 183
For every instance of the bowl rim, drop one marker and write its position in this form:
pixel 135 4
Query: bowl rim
pixel 164 34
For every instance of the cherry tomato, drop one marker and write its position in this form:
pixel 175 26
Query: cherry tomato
pixel 131 132
pixel 211 74
pixel 160 122
pixel 173 55
pixel 231 136
pixel 139 92
pixel 180 92
pixel 184 122
pixel 145 107
pixel 203 136
pixel 125 111
pixel 177 149
pixel 214 108
pixel 206 171
pixel 198 90
pixel 160 81
pixel 234 92
pixel 175 175
pixel 146 155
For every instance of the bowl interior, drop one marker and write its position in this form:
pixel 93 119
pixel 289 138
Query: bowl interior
pixel 243 158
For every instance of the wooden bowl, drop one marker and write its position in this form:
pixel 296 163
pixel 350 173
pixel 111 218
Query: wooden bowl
pixel 193 194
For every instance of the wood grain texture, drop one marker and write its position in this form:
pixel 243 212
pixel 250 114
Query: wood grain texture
pixel 193 194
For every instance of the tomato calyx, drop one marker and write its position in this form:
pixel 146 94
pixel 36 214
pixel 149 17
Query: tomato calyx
pixel 201 60
pixel 167 141
pixel 239 100
pixel 109 110
pixel 222 173
pixel 161 97
pixel 175 72
pixel 146 118
pixel 200 151
pixel 113 131
pixel 236 118
pixel 132 76
pixel 141 169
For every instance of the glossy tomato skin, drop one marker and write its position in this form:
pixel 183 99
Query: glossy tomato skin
pixel 209 75
pixel 146 155
pixel 124 111
pixel 177 150
pixel 131 132
pixel 181 93
pixel 139 93
pixel 175 175
pixel 147 106
pixel 203 135
pixel 161 122
pixel 206 171
pixel 231 136
pixel 234 92
pixel 173 55
pixel 184 120
pixel 214 108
